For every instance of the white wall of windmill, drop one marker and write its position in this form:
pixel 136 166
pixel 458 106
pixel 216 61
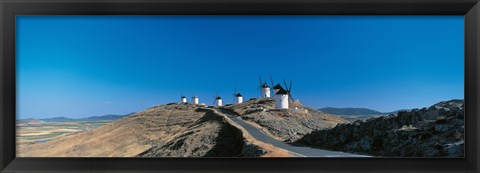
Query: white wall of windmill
pixel 239 100
pixel 195 100
pixel 265 92
pixel 219 102
pixel 281 101
pixel 184 100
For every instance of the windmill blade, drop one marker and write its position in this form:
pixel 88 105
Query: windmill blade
pixel 271 80
pixel 290 88
pixel 234 95
pixel 285 83
pixel 260 80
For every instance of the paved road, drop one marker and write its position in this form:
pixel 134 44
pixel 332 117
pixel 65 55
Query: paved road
pixel 304 151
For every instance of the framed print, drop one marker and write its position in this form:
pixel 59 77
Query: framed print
pixel 262 86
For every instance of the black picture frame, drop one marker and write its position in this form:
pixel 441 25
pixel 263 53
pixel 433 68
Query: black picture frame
pixel 11 8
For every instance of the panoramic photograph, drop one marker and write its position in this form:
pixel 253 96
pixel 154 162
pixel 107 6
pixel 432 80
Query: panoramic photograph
pixel 240 86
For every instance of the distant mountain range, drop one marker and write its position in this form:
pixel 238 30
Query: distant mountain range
pixel 92 118
pixel 350 111
pixel 354 111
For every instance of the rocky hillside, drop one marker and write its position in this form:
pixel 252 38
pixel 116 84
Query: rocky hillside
pixel 436 131
pixel 174 130
pixel 287 125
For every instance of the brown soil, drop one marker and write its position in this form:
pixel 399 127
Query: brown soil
pixel 173 130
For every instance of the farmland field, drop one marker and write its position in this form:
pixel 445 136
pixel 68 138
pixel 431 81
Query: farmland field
pixel 29 132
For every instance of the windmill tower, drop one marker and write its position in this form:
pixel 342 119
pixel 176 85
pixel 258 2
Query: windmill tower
pixel 281 99
pixel 218 101
pixel 282 96
pixel 195 100
pixel 239 98
pixel 184 99
pixel 265 89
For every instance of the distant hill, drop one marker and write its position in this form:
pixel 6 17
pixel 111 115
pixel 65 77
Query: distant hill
pixel 92 118
pixel 56 119
pixel 350 111
pixel 104 117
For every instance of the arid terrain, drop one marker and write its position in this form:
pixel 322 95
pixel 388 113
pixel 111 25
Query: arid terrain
pixel 174 130
pixel 286 125
pixel 435 131
pixel 189 130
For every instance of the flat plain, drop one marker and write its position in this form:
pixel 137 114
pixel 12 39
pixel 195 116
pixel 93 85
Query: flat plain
pixel 36 131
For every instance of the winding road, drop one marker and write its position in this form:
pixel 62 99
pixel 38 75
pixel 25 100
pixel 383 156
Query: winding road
pixel 304 151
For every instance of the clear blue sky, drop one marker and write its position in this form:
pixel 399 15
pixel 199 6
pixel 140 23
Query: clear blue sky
pixel 80 66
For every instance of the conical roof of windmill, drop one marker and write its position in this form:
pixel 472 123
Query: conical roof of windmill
pixel 265 85
pixel 282 91
pixel 183 97
pixel 278 86
pixel 238 95
pixel 218 97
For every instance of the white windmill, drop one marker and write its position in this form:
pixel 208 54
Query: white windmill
pixel 237 97
pixel 265 89
pixel 282 96
pixel 195 100
pixel 218 101
pixel 184 99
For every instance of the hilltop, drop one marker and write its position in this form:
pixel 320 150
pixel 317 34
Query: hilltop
pixel 286 125
pixel 436 131
pixel 173 130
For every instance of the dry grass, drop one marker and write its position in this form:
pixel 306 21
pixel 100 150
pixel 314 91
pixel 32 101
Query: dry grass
pixel 127 137
pixel 137 133
pixel 131 136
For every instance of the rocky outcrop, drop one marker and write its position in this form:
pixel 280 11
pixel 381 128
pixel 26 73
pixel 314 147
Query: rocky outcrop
pixel 252 150
pixel 287 125
pixel 436 131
